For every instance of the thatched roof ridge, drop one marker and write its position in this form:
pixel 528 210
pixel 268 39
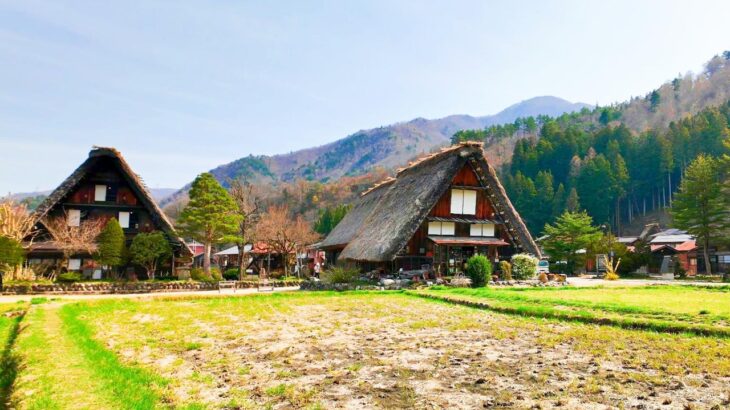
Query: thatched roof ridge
pixel 350 225
pixel 409 198
pixel 134 180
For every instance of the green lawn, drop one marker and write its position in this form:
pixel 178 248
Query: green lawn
pixel 693 300
pixel 349 350
pixel 10 317
pixel 660 308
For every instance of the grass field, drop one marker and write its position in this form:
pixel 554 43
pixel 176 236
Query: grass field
pixel 677 309
pixel 359 350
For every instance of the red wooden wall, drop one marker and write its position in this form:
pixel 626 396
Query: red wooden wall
pixel 465 177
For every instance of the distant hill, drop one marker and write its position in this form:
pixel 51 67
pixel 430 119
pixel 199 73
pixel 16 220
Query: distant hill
pixel 388 147
pixel 32 199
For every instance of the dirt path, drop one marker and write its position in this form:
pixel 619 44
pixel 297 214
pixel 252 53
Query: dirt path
pixel 54 373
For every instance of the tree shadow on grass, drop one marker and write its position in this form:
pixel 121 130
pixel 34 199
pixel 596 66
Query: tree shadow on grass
pixel 9 364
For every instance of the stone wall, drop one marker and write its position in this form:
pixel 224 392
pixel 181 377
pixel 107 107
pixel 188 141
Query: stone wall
pixel 127 287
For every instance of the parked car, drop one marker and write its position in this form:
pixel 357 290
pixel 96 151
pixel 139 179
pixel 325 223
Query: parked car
pixel 543 266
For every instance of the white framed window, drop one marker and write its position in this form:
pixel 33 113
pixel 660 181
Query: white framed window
pixel 73 217
pixel 74 264
pixel 463 202
pixel 124 219
pixel 441 228
pixel 481 229
pixel 100 193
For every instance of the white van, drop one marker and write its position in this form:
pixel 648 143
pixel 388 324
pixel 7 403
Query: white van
pixel 543 266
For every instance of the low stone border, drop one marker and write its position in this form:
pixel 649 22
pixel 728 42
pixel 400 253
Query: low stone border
pixel 341 287
pixel 401 284
pixel 90 288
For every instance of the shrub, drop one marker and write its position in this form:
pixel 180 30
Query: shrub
pixel 506 269
pixel 479 270
pixel 199 275
pixel 215 273
pixel 611 268
pixel 339 274
pixel 69 277
pixel 231 274
pixel 524 266
pixel 679 271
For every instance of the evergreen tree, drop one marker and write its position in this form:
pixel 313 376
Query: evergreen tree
pixel 149 249
pixel 571 232
pixel 572 204
pixel 210 217
pixel 110 244
pixel 544 200
pixel 698 206
pixel 11 255
pixel 329 218
pixel 559 201
pixel 595 187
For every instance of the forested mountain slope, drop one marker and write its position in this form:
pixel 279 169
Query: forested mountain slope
pixel 606 161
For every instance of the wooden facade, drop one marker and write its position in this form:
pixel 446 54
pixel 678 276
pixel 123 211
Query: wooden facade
pixel 103 187
pixel 424 251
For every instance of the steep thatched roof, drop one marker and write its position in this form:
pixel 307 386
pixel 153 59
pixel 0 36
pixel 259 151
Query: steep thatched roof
pixel 405 202
pixel 351 223
pixel 135 182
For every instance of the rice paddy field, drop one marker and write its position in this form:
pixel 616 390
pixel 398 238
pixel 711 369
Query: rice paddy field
pixel 536 348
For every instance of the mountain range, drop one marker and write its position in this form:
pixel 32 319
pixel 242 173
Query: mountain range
pixel 387 147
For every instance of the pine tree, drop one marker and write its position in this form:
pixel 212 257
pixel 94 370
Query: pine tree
pixel 211 215
pixel 559 201
pixel 572 204
pixel 570 233
pixel 149 249
pixel 110 244
pixel 698 206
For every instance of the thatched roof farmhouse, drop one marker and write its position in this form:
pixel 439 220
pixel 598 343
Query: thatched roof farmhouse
pixel 438 211
pixel 102 187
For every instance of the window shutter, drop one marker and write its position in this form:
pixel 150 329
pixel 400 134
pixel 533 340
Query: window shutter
pixel 100 193
pixel 487 229
pixel 124 219
pixel 434 228
pixel 448 228
pixel 475 230
pixel 73 217
pixel 470 203
pixel 457 201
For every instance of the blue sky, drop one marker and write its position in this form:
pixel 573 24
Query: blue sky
pixel 180 86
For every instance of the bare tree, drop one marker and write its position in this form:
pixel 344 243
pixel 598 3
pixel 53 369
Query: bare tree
pixel 16 222
pixel 247 203
pixel 284 235
pixel 74 239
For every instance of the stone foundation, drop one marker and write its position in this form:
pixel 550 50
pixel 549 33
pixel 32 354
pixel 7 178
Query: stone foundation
pixel 92 288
